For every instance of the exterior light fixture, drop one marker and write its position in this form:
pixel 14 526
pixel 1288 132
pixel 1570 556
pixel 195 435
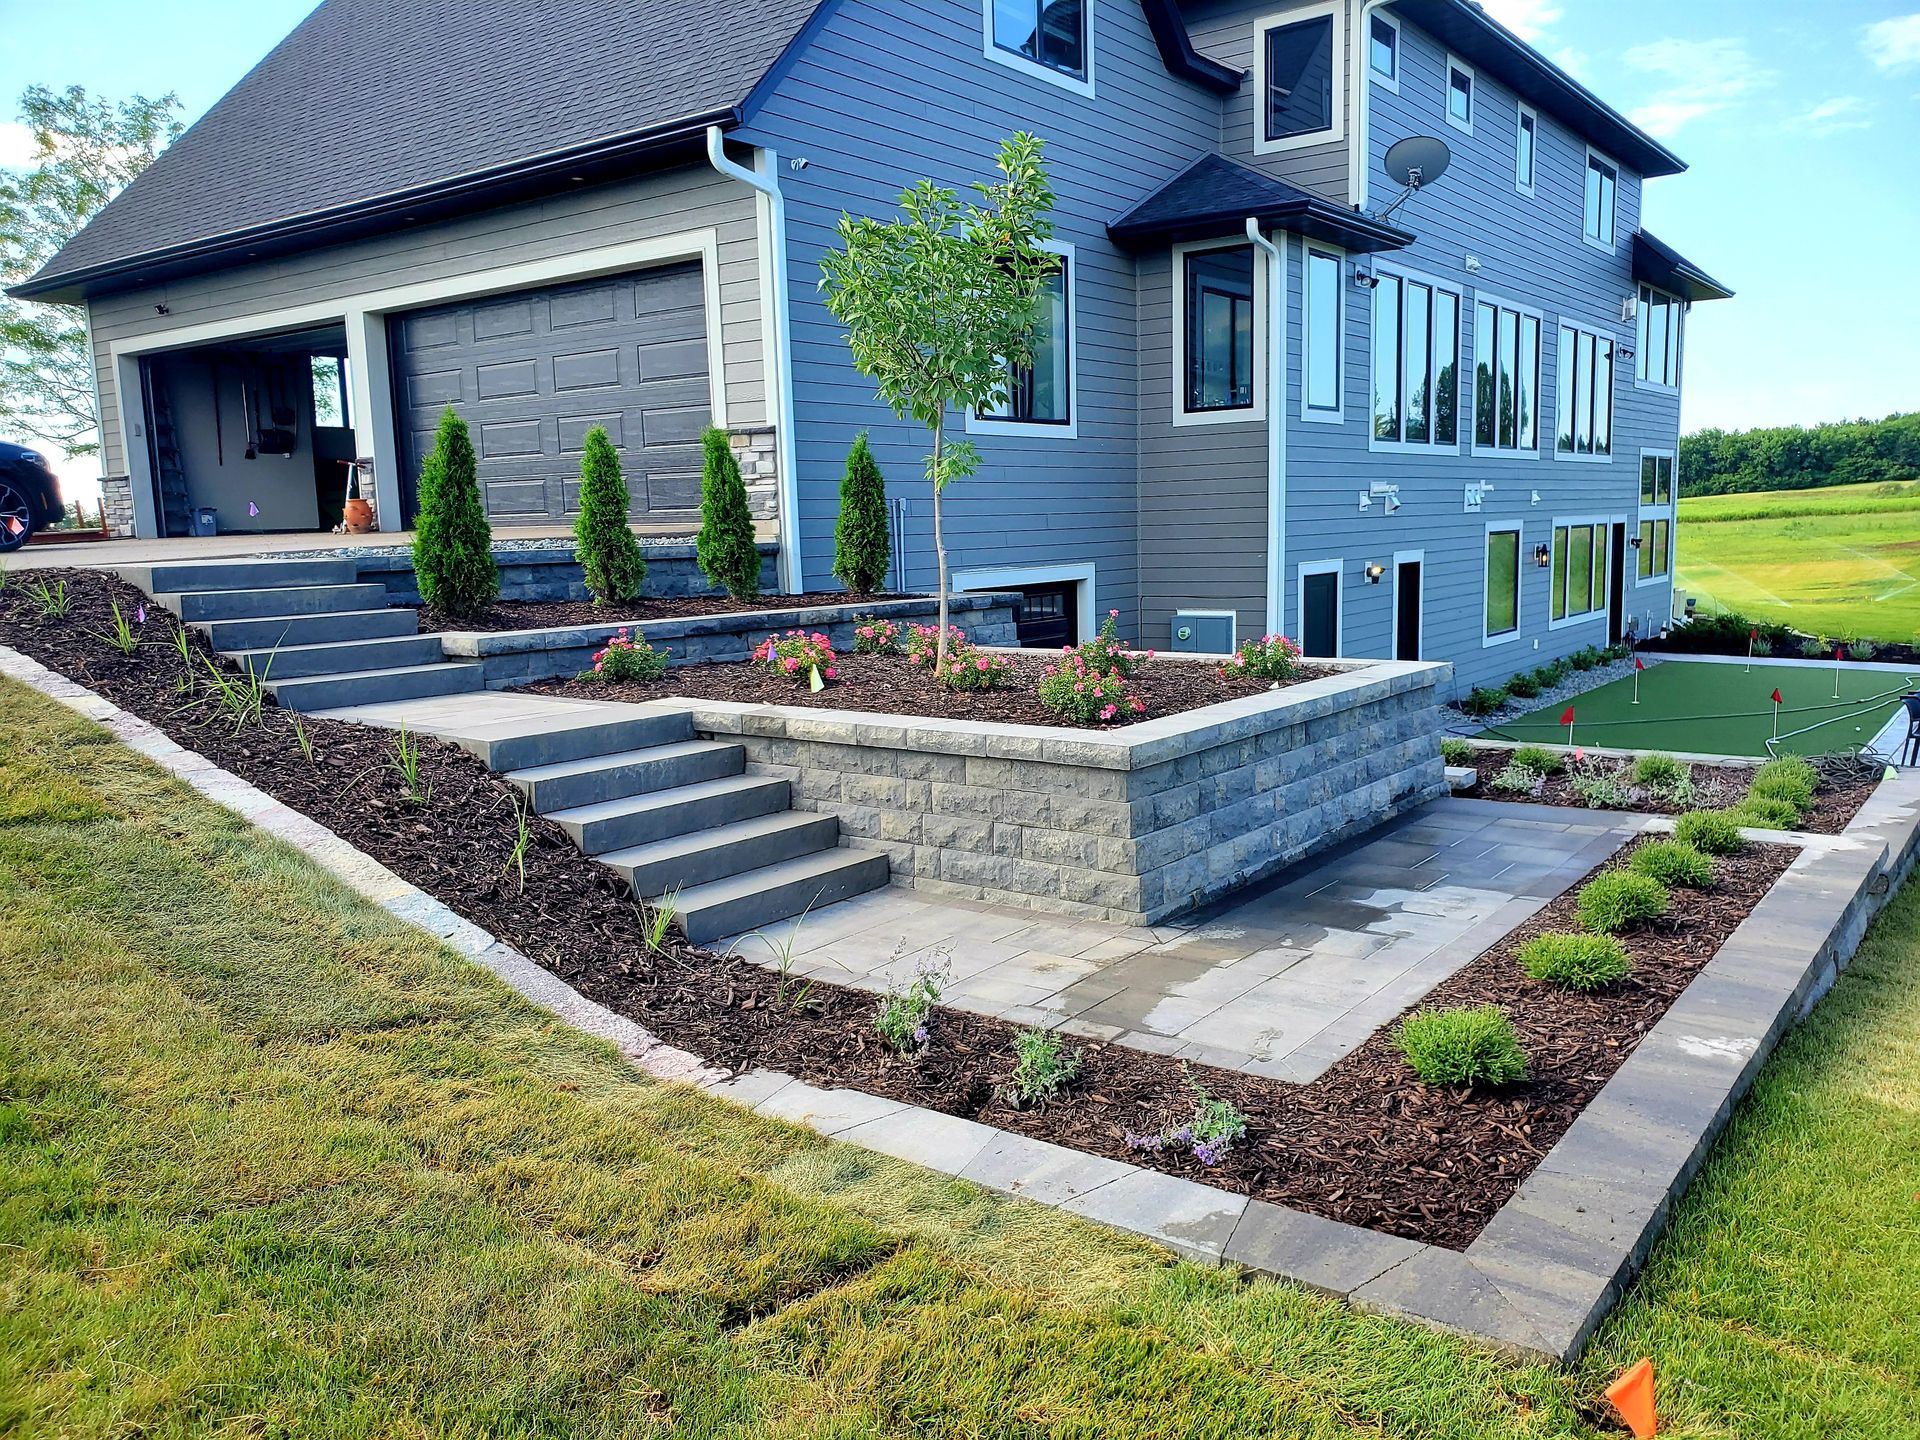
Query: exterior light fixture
pixel 1635 542
pixel 1374 571
pixel 1542 556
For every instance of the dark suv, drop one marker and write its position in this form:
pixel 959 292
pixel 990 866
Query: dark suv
pixel 29 495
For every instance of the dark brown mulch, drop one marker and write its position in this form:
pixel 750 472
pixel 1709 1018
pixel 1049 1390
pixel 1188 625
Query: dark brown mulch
pixel 892 685
pixel 1367 1143
pixel 550 614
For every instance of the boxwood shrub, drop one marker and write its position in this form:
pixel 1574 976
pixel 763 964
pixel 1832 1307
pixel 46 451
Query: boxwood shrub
pixel 1619 899
pixel 1474 1045
pixel 1717 832
pixel 1673 862
pixel 1539 759
pixel 1525 686
pixel 1578 962
pixel 1767 812
pixel 1455 751
pixel 1484 700
pixel 1791 779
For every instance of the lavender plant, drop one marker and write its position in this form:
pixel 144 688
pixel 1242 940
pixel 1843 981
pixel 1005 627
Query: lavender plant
pixel 903 1016
pixel 1043 1068
pixel 1209 1136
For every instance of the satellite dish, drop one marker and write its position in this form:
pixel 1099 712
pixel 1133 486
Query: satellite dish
pixel 1418 160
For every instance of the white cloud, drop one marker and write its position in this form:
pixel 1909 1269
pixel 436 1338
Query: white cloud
pixel 1529 19
pixel 17 147
pixel 1842 112
pixel 1697 78
pixel 1573 61
pixel 1893 44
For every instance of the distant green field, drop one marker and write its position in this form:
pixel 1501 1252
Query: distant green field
pixel 1841 561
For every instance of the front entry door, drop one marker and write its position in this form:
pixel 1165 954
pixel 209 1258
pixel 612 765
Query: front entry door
pixel 1617 585
pixel 1406 610
pixel 1320 615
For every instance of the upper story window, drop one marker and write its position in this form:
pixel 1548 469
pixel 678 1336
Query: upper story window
pixel 1506 379
pixel 1603 184
pixel 1298 63
pixel 1656 481
pixel 1051 34
pixel 1217 329
pixel 1041 394
pixel 1585 394
pixel 1658 362
pixel 1416 356
pixel 1383 49
pixel 1321 363
pixel 1460 82
pixel 1526 143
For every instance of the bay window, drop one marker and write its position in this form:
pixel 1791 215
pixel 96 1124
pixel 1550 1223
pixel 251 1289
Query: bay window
pixel 1218 330
pixel 1416 352
pixel 1585 395
pixel 1506 379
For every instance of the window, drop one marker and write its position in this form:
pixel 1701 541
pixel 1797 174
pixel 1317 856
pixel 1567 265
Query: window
pixel 1526 139
pixel 1383 49
pixel 1298 64
pixel 1603 180
pixel 1460 79
pixel 1321 364
pixel 1218 330
pixel 1656 481
pixel 1506 379
pixel 1659 360
pixel 1416 355
pixel 330 391
pixel 1656 531
pixel 1579 571
pixel 1042 393
pixel 1585 394
pixel 1503 583
pixel 1049 33
pixel 1656 538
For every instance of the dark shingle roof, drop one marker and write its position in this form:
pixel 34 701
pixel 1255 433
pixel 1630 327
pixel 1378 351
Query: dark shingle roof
pixel 393 98
pixel 1215 196
pixel 1658 263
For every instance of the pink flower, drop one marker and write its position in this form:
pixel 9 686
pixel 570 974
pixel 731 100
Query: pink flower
pixel 981 663
pixel 831 672
pixel 1079 686
pixel 791 664
pixel 1108 713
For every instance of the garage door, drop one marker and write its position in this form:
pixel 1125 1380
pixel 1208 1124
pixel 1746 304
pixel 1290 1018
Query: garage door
pixel 531 372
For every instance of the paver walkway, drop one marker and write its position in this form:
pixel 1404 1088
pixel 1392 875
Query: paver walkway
pixel 1282 980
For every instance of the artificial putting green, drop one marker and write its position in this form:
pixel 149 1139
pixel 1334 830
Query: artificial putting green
pixel 1723 710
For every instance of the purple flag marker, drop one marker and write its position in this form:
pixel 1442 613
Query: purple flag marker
pixel 252 509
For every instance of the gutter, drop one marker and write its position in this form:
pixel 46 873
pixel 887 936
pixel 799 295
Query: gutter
pixel 1276 427
pixel 773 251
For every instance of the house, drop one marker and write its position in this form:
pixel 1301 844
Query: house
pixel 1275 389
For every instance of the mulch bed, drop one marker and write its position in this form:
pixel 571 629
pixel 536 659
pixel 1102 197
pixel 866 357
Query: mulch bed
pixel 891 685
pixel 1844 787
pixel 551 614
pixel 1367 1143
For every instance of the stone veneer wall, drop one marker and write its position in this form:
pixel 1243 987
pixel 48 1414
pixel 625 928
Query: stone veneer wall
pixel 116 502
pixel 758 454
pixel 1132 825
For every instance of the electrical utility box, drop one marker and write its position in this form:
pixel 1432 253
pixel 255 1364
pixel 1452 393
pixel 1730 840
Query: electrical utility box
pixel 1201 633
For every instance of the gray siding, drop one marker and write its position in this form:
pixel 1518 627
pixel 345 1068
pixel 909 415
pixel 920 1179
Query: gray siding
pixel 1223 29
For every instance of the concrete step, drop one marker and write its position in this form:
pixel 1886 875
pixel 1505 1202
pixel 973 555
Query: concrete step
pixel 572 783
pixel 190 575
pixel 252 604
pixel 639 819
pixel 374 687
pixel 551 746
pixel 291 662
pixel 664 866
pixel 270 630
pixel 757 898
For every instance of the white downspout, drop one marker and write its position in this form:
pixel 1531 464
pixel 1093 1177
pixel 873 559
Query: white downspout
pixel 780 383
pixel 1276 427
pixel 1358 160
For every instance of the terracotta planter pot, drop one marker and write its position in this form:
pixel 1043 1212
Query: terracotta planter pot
pixel 357 515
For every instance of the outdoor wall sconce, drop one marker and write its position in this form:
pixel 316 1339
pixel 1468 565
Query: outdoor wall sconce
pixel 1635 542
pixel 1542 556
pixel 1374 571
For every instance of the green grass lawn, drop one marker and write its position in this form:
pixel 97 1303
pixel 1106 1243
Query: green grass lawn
pixel 1722 710
pixel 272 1162
pixel 1838 561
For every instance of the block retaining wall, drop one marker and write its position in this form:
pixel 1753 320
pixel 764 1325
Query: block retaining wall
pixel 551 572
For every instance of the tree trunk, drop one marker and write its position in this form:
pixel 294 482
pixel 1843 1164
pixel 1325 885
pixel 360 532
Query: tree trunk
pixel 939 549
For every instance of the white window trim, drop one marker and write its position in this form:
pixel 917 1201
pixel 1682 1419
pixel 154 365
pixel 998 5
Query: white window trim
pixel 1602 332
pixel 978 424
pixel 1334 133
pixel 1673 532
pixel 1505 637
pixel 1673 488
pixel 1388 82
pixel 1256 412
pixel 1006 577
pixel 1530 186
pixel 1495 452
pixel 1337 569
pixel 1337 415
pixel 1033 67
pixel 1614 225
pixel 1585 617
pixel 1417 447
pixel 1410 557
pixel 1658 387
pixel 1454 62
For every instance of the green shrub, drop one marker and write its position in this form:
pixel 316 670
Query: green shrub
pixel 1517 780
pixel 862 542
pixel 1862 650
pixel 1673 862
pixel 1599 789
pixel 1043 1068
pixel 1469 1046
pixel 1789 778
pixel 623 659
pixel 1271 657
pixel 1539 759
pixel 725 547
pixel 1577 962
pixel 1523 687
pixel 1483 700
pixel 1716 832
pixel 452 542
pixel 1551 673
pixel 602 541
pixel 1658 770
pixel 1455 751
pixel 1584 659
pixel 1618 899
pixel 1767 812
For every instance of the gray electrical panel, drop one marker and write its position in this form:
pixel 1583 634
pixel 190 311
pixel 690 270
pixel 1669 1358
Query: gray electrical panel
pixel 1201 634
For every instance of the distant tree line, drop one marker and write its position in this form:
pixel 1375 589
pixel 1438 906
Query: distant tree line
pixel 1797 457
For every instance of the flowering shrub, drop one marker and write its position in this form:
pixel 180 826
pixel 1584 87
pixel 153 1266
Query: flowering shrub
pixel 874 636
pixel 1105 655
pixel 923 643
pixel 625 660
pixel 967 667
pixel 903 1016
pixel 798 655
pixel 1271 657
pixel 1087 697
pixel 1209 1135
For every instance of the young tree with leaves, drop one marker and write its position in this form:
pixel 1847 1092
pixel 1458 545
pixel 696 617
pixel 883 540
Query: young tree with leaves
pixel 85 153
pixel 862 548
pixel 452 541
pixel 603 542
pixel 940 305
pixel 728 553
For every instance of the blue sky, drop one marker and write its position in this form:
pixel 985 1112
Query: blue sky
pixel 1800 121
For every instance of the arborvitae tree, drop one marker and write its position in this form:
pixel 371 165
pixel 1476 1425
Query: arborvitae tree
pixel 602 542
pixel 725 547
pixel 452 542
pixel 862 547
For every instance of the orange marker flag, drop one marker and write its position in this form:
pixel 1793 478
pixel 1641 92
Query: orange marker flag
pixel 1632 1396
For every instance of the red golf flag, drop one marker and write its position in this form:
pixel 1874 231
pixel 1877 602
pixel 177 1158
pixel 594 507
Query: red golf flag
pixel 1567 719
pixel 1753 633
pixel 1839 653
pixel 1776 695
pixel 1638 663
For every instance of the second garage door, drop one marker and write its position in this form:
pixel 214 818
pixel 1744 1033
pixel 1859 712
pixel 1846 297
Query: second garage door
pixel 532 371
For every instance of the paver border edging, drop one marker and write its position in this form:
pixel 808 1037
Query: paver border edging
pixel 1538 1279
